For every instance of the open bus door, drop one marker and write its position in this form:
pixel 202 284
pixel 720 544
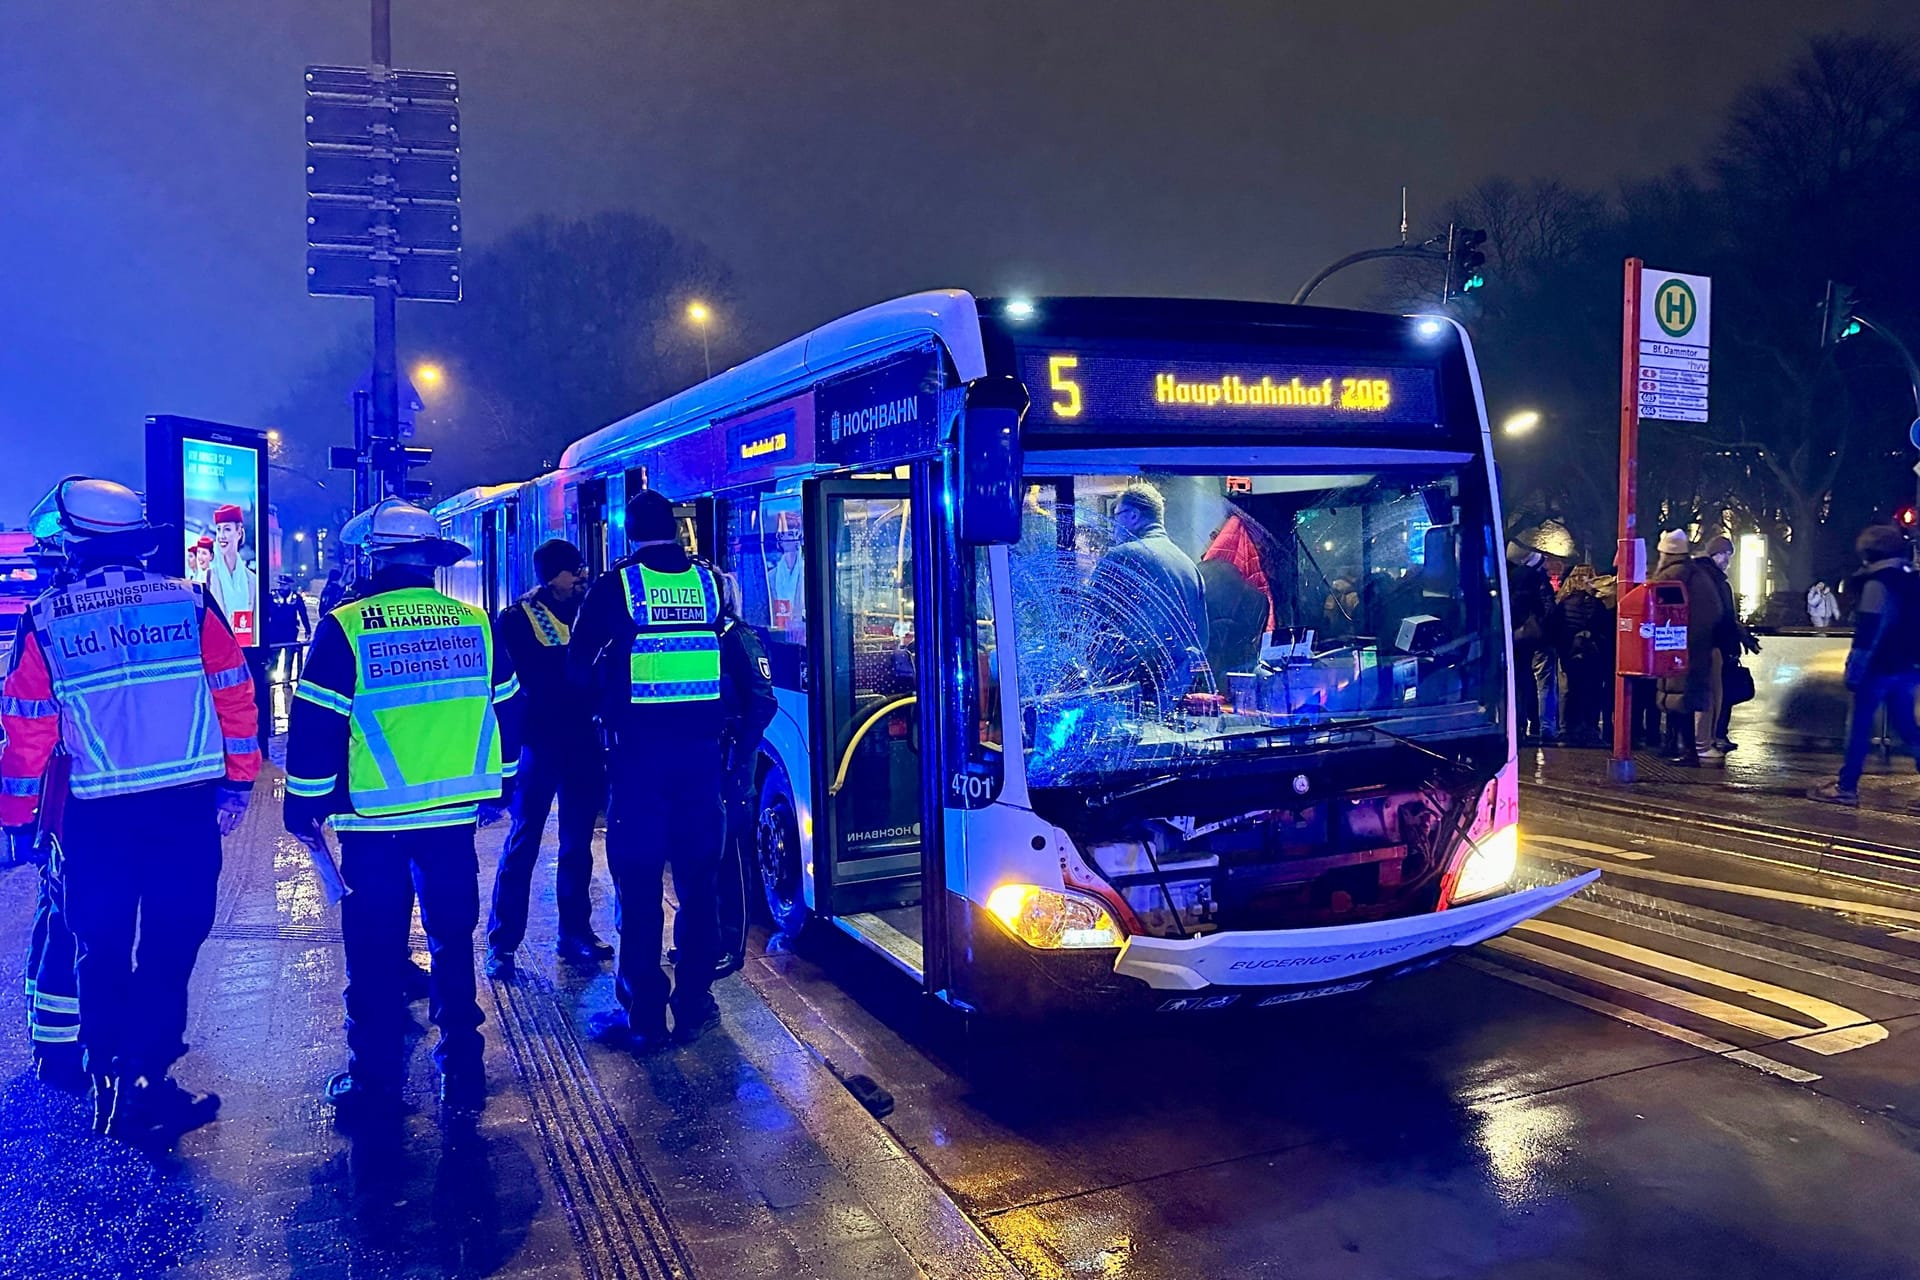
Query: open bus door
pixel 869 814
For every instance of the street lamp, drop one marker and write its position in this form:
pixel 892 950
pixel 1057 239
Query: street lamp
pixel 427 375
pixel 299 535
pixel 1519 424
pixel 700 316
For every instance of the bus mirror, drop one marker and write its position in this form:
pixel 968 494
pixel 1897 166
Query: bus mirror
pixel 990 461
pixel 1439 504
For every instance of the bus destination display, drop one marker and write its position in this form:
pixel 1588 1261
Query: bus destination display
pixel 1095 390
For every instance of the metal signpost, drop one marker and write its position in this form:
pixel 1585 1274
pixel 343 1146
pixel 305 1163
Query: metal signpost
pixel 1665 324
pixel 383 218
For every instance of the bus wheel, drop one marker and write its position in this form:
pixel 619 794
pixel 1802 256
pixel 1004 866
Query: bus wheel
pixel 778 843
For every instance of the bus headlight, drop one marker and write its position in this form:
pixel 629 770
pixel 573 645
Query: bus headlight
pixel 1051 919
pixel 1489 867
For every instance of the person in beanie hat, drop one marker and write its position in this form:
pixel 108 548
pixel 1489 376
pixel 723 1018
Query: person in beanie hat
pixel 1883 667
pixel 560 758
pixel 1529 605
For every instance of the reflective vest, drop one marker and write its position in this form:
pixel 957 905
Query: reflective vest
pixel 136 704
pixel 548 628
pixel 676 652
pixel 422 733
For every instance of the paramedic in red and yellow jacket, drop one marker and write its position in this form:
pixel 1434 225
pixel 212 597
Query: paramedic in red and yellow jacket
pixel 137 678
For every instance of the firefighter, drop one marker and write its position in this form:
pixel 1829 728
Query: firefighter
pixel 404 735
pixel 648 639
pixel 559 757
pixel 138 679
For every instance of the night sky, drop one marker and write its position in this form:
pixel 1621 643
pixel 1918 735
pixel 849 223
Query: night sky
pixel 152 197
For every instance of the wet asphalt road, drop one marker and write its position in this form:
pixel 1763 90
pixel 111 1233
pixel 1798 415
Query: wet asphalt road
pixel 1706 1067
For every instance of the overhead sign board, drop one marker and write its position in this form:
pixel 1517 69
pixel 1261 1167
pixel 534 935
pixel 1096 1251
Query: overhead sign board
pixel 383 183
pixel 1676 323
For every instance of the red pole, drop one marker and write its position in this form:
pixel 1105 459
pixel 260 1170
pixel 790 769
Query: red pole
pixel 1628 563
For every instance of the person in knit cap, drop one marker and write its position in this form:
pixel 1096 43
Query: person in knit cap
pixel 560 758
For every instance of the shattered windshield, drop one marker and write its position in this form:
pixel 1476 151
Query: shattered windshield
pixel 1163 619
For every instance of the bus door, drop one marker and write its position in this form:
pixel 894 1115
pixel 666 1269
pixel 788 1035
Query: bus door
pixel 868 868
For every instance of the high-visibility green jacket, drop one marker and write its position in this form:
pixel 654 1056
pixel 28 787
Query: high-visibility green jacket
pixel 675 653
pixel 406 715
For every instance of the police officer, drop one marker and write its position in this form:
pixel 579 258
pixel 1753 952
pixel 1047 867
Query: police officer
pixel 137 677
pixel 648 637
pixel 746 680
pixel 404 734
pixel 559 757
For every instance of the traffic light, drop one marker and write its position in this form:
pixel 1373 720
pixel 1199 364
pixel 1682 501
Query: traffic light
pixel 1837 321
pixel 1465 259
pixel 1906 518
pixel 417 491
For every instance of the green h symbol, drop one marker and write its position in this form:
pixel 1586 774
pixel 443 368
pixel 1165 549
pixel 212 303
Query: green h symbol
pixel 1676 305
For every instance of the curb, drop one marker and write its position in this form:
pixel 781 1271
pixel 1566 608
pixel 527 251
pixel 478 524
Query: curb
pixel 1825 853
pixel 919 1213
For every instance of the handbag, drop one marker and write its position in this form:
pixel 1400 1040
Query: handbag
pixel 1736 684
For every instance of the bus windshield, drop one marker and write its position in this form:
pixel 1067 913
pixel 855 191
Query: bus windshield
pixel 1166 620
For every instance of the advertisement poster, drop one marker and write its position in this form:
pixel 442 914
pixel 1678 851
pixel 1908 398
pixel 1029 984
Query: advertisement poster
pixel 220 489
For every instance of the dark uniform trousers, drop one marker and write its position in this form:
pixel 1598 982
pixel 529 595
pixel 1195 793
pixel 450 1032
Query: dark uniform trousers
pixel 664 808
pixel 577 775
pixel 384 871
pixel 141 876
pixel 53 1003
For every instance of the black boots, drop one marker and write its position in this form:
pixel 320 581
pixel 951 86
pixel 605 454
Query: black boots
pixel 146 1110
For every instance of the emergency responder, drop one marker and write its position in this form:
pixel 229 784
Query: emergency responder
pixel 648 638
pixel 404 733
pixel 746 678
pixel 559 757
pixel 52 996
pixel 137 677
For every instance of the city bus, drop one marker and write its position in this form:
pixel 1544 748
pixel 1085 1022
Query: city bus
pixel 1129 653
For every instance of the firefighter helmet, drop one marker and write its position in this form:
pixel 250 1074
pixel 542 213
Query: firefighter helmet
pixel 397 530
pixel 80 507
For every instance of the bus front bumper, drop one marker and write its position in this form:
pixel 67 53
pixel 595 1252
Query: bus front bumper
pixel 1316 957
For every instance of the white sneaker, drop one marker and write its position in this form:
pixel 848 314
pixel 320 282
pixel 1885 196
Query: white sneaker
pixel 1712 755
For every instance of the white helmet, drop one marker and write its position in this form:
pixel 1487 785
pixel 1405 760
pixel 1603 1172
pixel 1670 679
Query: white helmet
pixel 80 507
pixel 395 529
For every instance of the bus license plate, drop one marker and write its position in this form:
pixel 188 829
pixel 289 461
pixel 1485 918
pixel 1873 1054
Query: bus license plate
pixel 1290 997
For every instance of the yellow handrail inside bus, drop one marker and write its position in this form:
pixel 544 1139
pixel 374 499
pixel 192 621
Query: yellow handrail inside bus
pixel 846 757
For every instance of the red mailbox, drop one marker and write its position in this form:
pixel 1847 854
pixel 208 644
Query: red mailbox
pixel 1652 639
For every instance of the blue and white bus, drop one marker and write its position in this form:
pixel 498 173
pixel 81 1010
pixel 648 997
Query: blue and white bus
pixel 1129 652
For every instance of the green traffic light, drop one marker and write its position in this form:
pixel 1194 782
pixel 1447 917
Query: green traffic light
pixel 1853 327
pixel 1473 282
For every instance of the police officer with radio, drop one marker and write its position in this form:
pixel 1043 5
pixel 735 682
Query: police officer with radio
pixel 648 639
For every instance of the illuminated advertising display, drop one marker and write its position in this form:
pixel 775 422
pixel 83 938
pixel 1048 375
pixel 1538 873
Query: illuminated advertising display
pixel 1091 390
pixel 207 483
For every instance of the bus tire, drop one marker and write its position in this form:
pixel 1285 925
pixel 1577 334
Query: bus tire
pixel 777 843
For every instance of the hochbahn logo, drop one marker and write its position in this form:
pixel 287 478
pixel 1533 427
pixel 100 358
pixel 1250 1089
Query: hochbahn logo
pixel 875 417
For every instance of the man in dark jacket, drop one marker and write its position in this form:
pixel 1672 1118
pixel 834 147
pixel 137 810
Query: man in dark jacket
pixel 559 757
pixel 1151 591
pixel 1580 628
pixel 1529 601
pixel 746 680
pixel 1883 667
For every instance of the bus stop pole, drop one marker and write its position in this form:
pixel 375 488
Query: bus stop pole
pixel 1629 562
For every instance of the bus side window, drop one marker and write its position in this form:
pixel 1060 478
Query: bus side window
pixel 742 556
pixel 783 566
